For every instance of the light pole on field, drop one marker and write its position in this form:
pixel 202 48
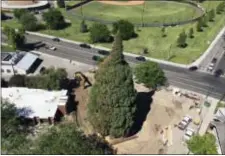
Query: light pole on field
pixel 142 18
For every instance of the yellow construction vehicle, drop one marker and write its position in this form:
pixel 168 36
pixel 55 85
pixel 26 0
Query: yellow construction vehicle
pixel 82 79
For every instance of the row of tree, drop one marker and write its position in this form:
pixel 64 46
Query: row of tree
pixel 202 22
pixel 53 19
pixel 50 79
pixel 101 33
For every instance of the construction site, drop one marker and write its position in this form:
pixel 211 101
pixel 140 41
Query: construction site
pixel 159 132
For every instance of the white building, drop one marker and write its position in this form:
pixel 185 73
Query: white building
pixel 17 63
pixel 37 104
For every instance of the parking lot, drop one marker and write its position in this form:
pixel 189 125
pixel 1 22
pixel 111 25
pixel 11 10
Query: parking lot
pixel 57 62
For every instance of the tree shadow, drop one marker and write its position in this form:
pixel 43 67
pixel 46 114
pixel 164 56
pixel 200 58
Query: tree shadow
pixel 71 104
pixel 144 101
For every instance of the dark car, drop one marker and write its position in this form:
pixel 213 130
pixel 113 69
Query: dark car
pixel 140 58
pixel 193 68
pixel 56 39
pixel 103 52
pixel 83 45
pixel 214 60
pixel 97 58
pixel 218 72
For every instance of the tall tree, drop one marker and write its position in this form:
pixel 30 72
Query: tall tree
pixel 113 94
pixel 19 12
pixel 211 15
pixel 125 27
pixel 205 144
pixel 54 19
pixel 99 33
pixel 163 32
pixel 150 74
pixel 199 25
pixel 29 22
pixel 181 41
pixel 61 3
pixel 191 33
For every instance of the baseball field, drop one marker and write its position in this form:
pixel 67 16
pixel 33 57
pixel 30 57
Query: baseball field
pixel 136 11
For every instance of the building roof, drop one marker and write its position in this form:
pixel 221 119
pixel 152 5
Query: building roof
pixel 26 62
pixel 35 102
pixel 11 57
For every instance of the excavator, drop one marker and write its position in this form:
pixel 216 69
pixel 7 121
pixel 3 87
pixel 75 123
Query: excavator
pixel 82 79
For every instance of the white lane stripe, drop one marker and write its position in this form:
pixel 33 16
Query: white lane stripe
pixel 174 84
pixel 192 81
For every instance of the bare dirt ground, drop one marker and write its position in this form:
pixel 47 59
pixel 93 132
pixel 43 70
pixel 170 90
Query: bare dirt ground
pixel 128 3
pixel 166 110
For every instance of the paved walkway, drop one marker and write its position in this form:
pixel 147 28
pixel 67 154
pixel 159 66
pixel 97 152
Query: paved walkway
pixel 207 115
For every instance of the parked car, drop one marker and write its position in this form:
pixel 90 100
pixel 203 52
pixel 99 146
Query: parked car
pixel 188 134
pixel 140 58
pixel 103 52
pixel 182 125
pixel 214 60
pixel 56 39
pixel 187 118
pixel 83 45
pixel 185 122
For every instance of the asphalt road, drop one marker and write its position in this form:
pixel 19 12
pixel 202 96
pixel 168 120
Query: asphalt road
pixel 195 81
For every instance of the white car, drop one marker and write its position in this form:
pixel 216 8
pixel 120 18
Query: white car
pixel 52 48
pixel 211 66
pixel 187 118
pixel 188 134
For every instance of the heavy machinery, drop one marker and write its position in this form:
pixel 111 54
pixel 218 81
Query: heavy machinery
pixel 82 79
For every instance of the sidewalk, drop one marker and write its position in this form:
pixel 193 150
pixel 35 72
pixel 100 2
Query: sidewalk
pixel 207 115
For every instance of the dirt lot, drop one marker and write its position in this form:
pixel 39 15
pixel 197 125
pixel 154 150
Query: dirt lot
pixel 166 110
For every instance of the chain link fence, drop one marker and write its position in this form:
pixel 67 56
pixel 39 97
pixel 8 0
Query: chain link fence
pixel 144 24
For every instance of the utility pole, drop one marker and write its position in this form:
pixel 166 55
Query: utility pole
pixel 142 18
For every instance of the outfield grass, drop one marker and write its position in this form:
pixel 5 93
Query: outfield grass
pixel 151 38
pixel 154 12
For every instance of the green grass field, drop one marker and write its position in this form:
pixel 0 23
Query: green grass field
pixel 154 12
pixel 5 48
pixel 151 37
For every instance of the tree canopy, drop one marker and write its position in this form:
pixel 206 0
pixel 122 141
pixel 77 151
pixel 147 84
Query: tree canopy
pixel 29 22
pixel 181 40
pixel 125 27
pixel 150 74
pixel 203 145
pixel 61 3
pixel 67 139
pixel 54 19
pixel 15 39
pixel 99 33
pixel 13 133
pixel 49 79
pixel 113 94
pixel 19 12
